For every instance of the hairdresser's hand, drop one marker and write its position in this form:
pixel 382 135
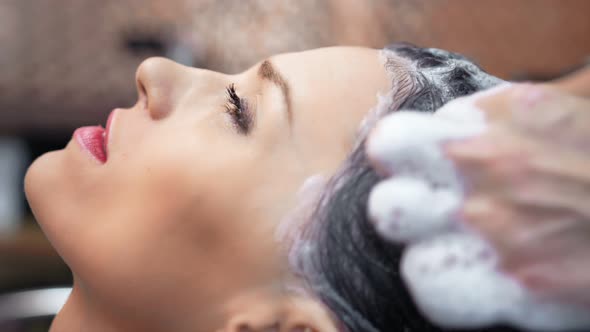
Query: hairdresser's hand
pixel 528 186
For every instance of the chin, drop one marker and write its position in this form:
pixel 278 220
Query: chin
pixel 44 183
pixel 47 188
pixel 48 176
pixel 38 177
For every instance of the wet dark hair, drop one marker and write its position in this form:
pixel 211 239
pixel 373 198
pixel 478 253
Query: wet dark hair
pixel 353 270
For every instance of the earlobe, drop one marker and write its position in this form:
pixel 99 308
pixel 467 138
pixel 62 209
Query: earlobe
pixel 259 312
pixel 256 318
pixel 306 314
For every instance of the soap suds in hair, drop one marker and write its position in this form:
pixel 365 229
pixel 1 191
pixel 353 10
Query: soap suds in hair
pixel 451 272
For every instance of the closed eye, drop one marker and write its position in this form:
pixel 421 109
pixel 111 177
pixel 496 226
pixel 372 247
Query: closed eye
pixel 239 111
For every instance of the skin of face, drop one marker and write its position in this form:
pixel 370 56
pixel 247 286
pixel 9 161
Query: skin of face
pixel 182 215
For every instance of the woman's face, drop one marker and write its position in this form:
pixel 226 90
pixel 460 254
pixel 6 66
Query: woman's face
pixel 194 184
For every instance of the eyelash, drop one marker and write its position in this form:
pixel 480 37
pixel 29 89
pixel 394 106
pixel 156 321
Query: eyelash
pixel 237 108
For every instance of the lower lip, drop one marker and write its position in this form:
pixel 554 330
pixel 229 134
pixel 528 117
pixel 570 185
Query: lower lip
pixel 92 140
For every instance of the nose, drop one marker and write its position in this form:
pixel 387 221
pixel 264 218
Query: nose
pixel 160 83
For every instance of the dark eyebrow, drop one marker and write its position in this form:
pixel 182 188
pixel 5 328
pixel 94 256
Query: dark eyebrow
pixel 267 71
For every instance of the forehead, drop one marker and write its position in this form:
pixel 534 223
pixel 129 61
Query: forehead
pixel 332 89
pixel 331 63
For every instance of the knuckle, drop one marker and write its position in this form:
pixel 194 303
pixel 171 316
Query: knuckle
pixel 479 209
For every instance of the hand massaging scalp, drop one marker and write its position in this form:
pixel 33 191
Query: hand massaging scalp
pixel 451 272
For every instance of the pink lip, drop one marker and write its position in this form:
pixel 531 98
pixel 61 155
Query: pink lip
pixel 91 139
pixel 95 139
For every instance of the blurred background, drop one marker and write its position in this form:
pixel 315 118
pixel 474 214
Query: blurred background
pixel 68 63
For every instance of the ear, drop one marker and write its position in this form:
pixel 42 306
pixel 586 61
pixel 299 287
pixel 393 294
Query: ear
pixel 261 311
pixel 306 314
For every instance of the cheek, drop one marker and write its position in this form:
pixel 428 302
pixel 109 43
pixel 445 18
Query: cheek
pixel 142 244
pixel 168 214
pixel 173 236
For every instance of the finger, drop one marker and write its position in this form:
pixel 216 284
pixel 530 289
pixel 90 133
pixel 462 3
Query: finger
pixel 396 207
pixel 517 232
pixel 482 107
pixel 537 109
pixel 565 278
pixel 577 83
pixel 554 117
pixel 540 240
pixel 563 239
pixel 495 161
pixel 489 218
pixel 520 168
pixel 554 178
pixel 494 105
pixel 501 103
pixel 408 143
